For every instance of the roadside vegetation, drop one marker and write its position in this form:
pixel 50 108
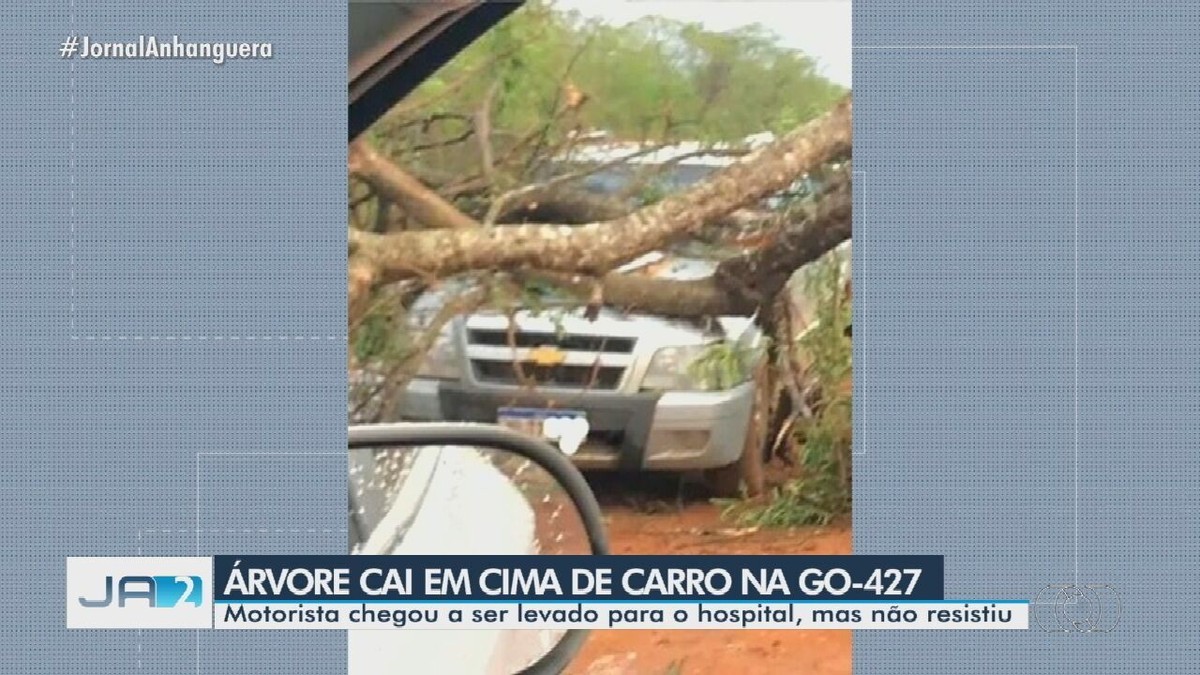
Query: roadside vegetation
pixel 459 185
pixel 818 487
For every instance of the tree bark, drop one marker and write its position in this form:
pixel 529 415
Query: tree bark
pixel 561 205
pixel 393 184
pixel 596 248
pixel 742 284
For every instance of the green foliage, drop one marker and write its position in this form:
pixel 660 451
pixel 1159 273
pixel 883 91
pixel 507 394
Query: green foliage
pixel 541 298
pixel 825 346
pixel 821 490
pixel 653 78
pixel 723 365
pixel 651 191
pixel 381 337
pixel 790 505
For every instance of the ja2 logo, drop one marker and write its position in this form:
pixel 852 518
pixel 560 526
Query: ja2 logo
pixel 159 591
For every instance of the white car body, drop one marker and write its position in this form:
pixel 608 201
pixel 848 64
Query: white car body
pixel 452 501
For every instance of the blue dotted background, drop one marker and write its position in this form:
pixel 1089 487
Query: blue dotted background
pixel 224 255
pixel 1027 258
pixel 172 266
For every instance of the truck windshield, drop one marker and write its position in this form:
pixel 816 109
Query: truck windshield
pixel 619 179
pixel 649 182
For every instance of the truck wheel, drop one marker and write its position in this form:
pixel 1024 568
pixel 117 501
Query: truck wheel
pixel 728 481
pixel 725 482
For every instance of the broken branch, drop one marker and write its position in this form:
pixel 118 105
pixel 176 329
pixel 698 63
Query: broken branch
pixel 598 247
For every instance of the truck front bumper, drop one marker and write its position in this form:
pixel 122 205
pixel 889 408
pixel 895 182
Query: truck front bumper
pixel 673 431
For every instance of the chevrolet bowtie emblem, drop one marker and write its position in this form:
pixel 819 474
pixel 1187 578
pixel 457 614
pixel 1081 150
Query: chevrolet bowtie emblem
pixel 547 356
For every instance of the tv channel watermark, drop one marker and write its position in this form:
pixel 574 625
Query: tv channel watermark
pixel 139 592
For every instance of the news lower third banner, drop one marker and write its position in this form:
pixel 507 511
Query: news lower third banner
pixel 531 592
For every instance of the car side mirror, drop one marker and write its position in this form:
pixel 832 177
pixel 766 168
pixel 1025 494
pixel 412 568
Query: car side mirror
pixel 466 489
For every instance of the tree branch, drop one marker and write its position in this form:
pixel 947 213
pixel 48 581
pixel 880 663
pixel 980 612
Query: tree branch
pixel 483 134
pixel 383 392
pixel 598 247
pixel 394 184
pixel 740 285
pixel 413 104
pixel 525 194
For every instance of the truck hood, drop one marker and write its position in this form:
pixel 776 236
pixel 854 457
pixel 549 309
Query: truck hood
pixel 396 44
pixel 564 313
pixel 660 265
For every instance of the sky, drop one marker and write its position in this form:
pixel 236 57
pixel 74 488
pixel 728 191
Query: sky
pixel 820 28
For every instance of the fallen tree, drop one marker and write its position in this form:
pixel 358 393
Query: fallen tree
pixel 553 232
pixel 451 242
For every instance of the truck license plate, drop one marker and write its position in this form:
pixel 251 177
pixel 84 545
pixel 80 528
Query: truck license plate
pixel 532 421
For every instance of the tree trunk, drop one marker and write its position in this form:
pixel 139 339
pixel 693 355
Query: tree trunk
pixel 393 184
pixel 742 284
pixel 596 248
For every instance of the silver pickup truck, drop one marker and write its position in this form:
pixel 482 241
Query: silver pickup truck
pixel 626 381
pixel 620 391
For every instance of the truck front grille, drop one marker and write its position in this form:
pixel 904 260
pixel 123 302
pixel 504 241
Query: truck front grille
pixel 528 340
pixel 590 367
pixel 574 377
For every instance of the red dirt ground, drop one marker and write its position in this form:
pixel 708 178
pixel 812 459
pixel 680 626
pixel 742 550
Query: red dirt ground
pixel 695 527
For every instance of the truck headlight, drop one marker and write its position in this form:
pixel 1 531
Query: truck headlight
pixel 674 369
pixel 442 360
pixel 716 366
